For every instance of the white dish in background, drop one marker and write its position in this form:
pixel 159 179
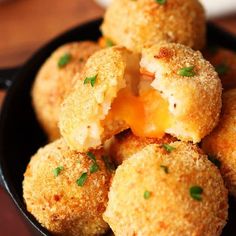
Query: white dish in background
pixel 213 8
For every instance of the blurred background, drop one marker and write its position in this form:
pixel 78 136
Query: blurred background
pixel 25 25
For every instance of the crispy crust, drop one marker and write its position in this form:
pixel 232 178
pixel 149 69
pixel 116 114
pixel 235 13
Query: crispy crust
pixel 169 210
pixel 223 57
pixel 86 107
pixel 58 203
pixel 126 144
pixel 221 142
pixel 135 24
pixel 195 102
pixel 52 83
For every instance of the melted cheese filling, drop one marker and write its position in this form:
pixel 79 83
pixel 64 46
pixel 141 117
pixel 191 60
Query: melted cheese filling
pixel 146 114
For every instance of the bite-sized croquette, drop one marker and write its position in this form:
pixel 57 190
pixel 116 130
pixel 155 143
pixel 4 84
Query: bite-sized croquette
pixel 178 92
pixel 66 191
pixel 55 79
pixel 220 145
pixel 224 62
pixel 85 108
pixel 135 24
pixel 160 192
pixel 190 85
pixel 125 144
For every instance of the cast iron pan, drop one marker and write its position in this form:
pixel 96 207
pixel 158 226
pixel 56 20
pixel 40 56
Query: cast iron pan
pixel 20 134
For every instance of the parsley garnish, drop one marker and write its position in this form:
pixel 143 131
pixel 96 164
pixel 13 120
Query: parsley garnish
pixel 91 80
pixel 187 71
pixel 161 1
pixel 222 69
pixel 147 195
pixel 80 182
pixel 57 170
pixel 64 60
pixel 109 43
pixel 168 148
pixel 215 161
pixel 196 193
pixel 165 168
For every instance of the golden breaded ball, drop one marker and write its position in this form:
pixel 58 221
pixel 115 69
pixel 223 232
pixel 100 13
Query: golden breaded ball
pixel 220 144
pixel 135 24
pixel 125 144
pixel 55 79
pixel 87 105
pixel 191 86
pixel 66 191
pixel 224 62
pixel 156 192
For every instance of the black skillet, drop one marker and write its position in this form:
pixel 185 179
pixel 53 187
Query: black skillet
pixel 20 134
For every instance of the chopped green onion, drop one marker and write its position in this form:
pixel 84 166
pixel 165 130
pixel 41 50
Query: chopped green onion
pixel 161 2
pixel 222 69
pixel 109 165
pixel 94 168
pixel 64 60
pixel 147 195
pixel 168 148
pixel 80 182
pixel 109 43
pixel 91 156
pixel 196 193
pixel 57 170
pixel 165 168
pixel 187 71
pixel 91 80
pixel 215 161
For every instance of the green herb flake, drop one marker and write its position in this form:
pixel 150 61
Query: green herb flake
pixel 81 180
pixel 91 80
pixel 215 161
pixel 64 60
pixel 222 69
pixel 196 193
pixel 94 168
pixel 109 165
pixel 147 195
pixel 187 71
pixel 91 156
pixel 109 43
pixel 161 2
pixel 168 148
pixel 57 170
pixel 165 168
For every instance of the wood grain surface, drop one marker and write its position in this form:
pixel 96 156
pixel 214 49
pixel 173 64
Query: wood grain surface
pixel 25 26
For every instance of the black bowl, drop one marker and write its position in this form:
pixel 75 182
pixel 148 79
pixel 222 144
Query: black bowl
pixel 20 134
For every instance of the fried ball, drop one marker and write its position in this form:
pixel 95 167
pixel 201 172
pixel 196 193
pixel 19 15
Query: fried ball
pixel 220 144
pixel 84 110
pixel 156 192
pixel 67 191
pixel 54 80
pixel 135 24
pixel 125 144
pixel 190 85
pixel 224 62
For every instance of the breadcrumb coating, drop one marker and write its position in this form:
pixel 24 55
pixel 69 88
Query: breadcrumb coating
pixel 145 199
pixel 225 63
pixel 52 83
pixel 135 24
pixel 220 144
pixel 194 101
pixel 125 144
pixel 85 108
pixel 56 200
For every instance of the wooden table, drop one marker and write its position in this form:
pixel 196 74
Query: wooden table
pixel 25 26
